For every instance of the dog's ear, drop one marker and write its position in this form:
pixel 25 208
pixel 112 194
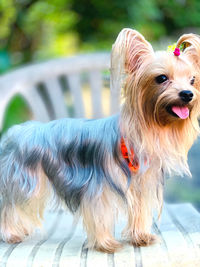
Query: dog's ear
pixel 130 50
pixel 190 44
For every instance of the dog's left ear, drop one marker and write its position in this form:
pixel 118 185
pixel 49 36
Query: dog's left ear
pixel 190 44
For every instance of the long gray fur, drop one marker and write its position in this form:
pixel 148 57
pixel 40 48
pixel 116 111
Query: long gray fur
pixel 71 152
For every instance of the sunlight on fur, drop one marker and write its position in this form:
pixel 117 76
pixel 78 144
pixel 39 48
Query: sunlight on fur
pixel 82 163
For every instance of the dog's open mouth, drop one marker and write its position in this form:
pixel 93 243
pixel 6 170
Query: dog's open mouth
pixel 181 112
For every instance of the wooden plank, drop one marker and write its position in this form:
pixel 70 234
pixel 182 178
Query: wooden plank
pixel 187 215
pixel 36 104
pixel 95 79
pixel 24 253
pixel 187 221
pixel 97 259
pixel 20 80
pixel 72 251
pixel 47 250
pixel 64 245
pixel 125 257
pixel 116 78
pixel 32 98
pixel 178 249
pixel 56 96
pixel 114 99
pixel 35 73
pixel 74 83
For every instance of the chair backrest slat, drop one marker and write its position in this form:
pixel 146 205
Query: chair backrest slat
pixel 95 79
pixel 36 104
pixel 74 83
pixel 55 88
pixel 114 101
pixel 56 97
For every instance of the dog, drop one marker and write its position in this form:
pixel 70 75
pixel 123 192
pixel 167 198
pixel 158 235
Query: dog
pixel 99 167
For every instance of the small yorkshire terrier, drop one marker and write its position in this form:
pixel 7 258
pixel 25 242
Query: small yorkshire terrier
pixel 98 167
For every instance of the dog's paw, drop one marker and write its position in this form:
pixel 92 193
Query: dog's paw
pixel 108 246
pixel 14 239
pixel 144 240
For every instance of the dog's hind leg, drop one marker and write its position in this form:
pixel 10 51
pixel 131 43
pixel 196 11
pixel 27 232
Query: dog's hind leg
pixel 19 220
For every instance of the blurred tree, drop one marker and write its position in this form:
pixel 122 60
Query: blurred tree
pixel 39 29
pixel 100 21
pixel 28 26
pixel 180 14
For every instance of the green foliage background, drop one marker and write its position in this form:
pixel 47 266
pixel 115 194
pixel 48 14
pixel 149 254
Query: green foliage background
pixel 32 30
pixel 36 30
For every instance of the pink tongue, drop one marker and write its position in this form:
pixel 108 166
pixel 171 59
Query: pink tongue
pixel 182 112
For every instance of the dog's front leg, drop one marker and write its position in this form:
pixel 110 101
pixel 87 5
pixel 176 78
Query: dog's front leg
pixel 138 229
pixel 98 219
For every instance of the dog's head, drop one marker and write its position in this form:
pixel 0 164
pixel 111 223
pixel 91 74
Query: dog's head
pixel 161 87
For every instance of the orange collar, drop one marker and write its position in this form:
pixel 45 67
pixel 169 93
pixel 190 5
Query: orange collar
pixel 129 157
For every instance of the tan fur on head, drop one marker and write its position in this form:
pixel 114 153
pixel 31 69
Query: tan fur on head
pixel 145 121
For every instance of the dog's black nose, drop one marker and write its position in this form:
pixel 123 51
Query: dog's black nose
pixel 186 95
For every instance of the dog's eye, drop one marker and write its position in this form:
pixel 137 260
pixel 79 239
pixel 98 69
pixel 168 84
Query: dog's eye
pixel 192 80
pixel 161 78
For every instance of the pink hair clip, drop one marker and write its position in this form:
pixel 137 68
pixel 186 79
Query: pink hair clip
pixel 177 52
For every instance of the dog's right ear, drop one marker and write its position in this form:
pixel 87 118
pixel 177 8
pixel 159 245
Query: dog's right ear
pixel 191 47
